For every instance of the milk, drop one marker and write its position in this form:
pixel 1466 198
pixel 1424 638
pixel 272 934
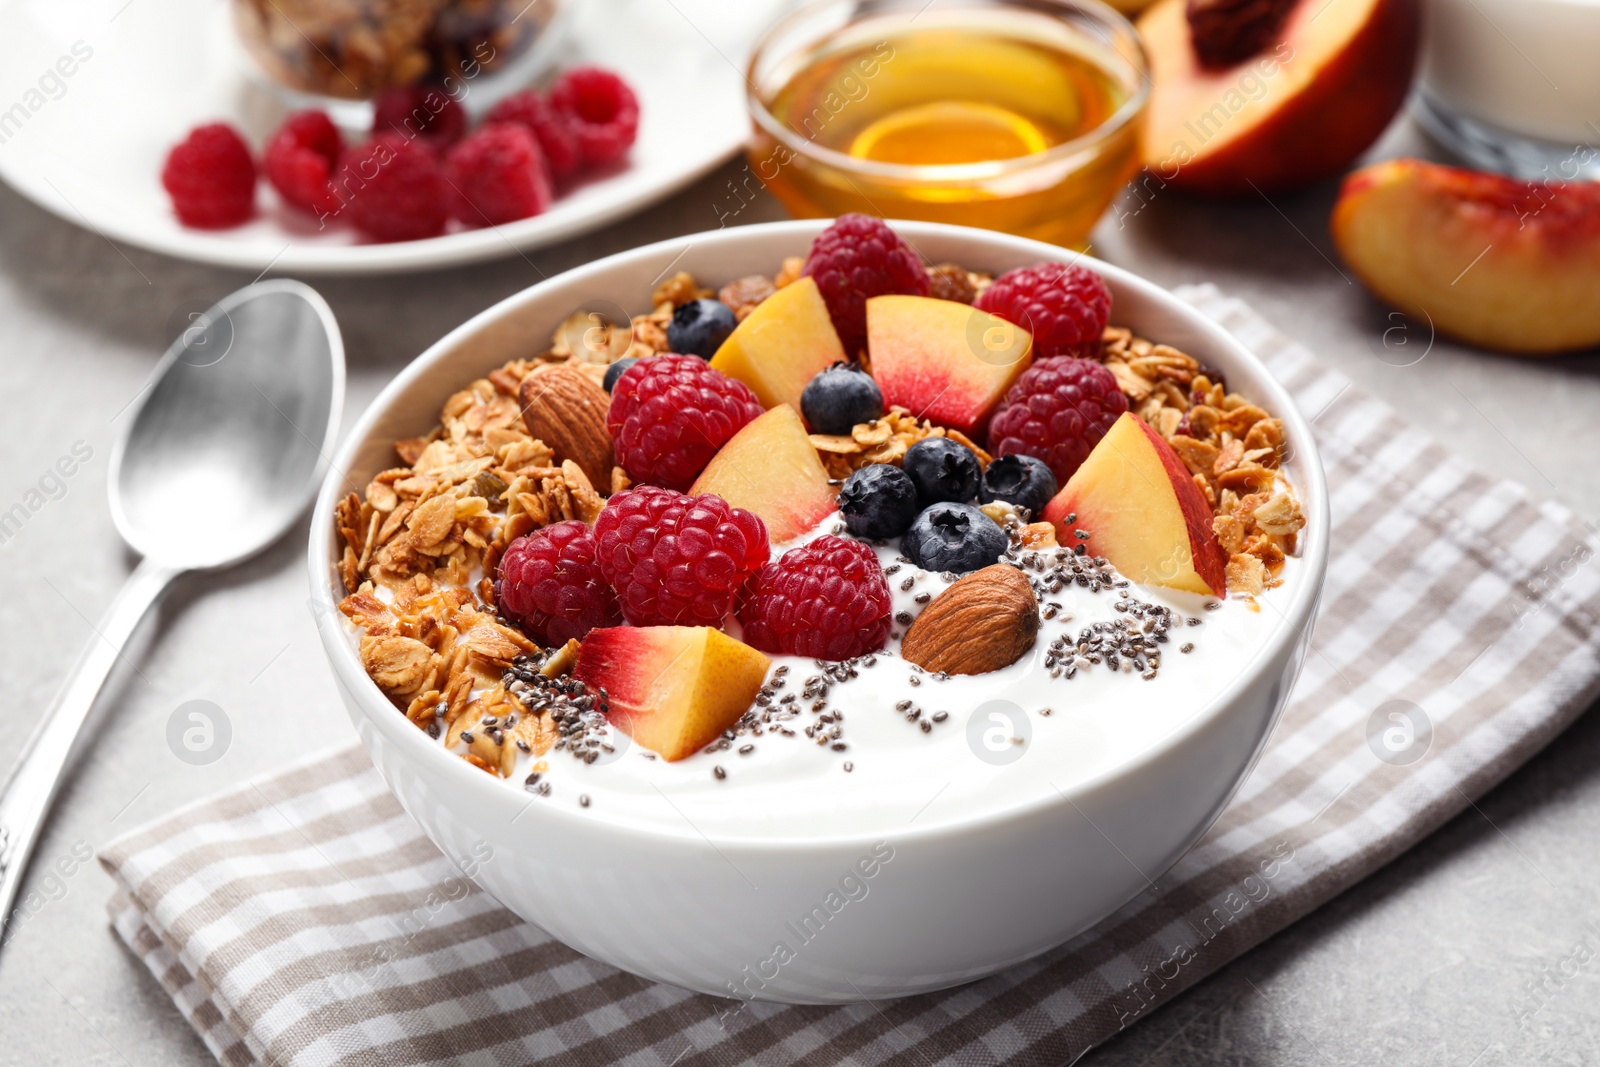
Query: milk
pixel 1529 69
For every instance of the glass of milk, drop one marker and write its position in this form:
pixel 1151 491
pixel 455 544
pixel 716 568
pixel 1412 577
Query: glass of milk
pixel 1514 85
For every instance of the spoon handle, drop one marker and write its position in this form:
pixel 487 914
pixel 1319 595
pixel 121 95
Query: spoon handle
pixel 42 765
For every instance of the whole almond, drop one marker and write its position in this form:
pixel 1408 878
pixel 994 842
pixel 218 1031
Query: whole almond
pixel 983 622
pixel 567 411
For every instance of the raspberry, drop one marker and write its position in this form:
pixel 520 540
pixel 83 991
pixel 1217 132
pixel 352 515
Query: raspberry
pixel 424 111
pixel 394 189
pixel 553 130
pixel 824 600
pixel 669 414
pixel 676 559
pixel 211 178
pixel 602 110
pixel 856 258
pixel 1057 411
pixel 300 159
pixel 498 175
pixel 1064 306
pixel 550 585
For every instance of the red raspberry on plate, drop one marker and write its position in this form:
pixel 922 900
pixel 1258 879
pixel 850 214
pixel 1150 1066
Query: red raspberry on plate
pixel 859 257
pixel 497 175
pixel 211 178
pixel 1057 411
pixel 669 414
pixel 1064 306
pixel 553 130
pixel 424 111
pixel 394 189
pixel 603 113
pixel 300 161
pixel 551 586
pixel 677 560
pixel 827 599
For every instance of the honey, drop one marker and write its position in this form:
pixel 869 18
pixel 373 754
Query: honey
pixel 1022 123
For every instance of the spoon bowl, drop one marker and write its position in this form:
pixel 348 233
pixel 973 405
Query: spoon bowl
pixel 233 432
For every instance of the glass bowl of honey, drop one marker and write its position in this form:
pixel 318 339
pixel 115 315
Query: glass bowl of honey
pixel 1014 115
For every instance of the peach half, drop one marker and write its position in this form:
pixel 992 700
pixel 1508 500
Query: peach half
pixel 1135 503
pixel 1305 106
pixel 1505 264
pixel 944 361
pixel 673 689
pixel 770 468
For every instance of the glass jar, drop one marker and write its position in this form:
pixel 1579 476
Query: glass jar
pixel 340 54
pixel 1014 115
pixel 1512 85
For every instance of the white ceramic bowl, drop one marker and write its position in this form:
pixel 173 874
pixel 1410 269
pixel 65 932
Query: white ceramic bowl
pixel 966 899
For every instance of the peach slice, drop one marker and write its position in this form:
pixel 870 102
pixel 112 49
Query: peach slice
pixel 782 344
pixel 1505 264
pixel 944 361
pixel 673 689
pixel 1140 509
pixel 770 468
pixel 1301 109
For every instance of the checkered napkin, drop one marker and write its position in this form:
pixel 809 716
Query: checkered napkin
pixel 1457 636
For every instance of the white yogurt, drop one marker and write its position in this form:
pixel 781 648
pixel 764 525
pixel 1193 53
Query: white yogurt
pixel 791 787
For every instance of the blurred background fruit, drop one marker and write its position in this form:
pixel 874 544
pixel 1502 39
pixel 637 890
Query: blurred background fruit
pixel 1494 261
pixel 1256 96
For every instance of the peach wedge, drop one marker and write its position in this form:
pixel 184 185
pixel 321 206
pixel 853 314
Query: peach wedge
pixel 673 689
pixel 944 361
pixel 1137 506
pixel 770 468
pixel 1509 265
pixel 781 345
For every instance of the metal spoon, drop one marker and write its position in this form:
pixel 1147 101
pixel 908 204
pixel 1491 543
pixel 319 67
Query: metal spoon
pixel 219 456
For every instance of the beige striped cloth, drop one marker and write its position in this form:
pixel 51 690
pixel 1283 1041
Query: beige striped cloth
pixel 304 920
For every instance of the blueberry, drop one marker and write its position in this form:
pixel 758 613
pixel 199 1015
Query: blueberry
pixel 614 372
pixel 840 398
pixel 1024 481
pixel 953 537
pixel 941 469
pixel 699 327
pixel 878 502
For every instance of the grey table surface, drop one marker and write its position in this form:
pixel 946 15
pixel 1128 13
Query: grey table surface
pixel 1427 962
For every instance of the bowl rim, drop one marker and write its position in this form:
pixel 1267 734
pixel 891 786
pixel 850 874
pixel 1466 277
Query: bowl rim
pixel 940 174
pixel 414 744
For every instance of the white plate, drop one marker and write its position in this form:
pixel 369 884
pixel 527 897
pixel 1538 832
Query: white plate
pixel 89 146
